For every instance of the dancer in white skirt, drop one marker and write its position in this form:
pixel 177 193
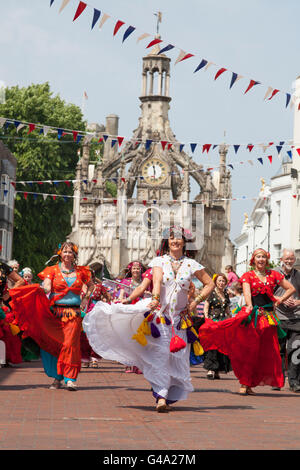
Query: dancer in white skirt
pixel 144 334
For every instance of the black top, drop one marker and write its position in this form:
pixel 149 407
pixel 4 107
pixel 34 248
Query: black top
pixel 218 306
pixel 5 271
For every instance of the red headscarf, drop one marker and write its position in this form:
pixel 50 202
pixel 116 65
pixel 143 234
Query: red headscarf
pixel 255 252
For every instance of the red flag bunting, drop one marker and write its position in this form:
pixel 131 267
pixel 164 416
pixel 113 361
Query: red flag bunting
pixel 81 7
pixel 250 147
pixel 144 202
pixel 298 150
pixel 273 93
pixel 54 197
pixel 13 183
pixel 94 181
pixel 120 140
pixel 206 148
pixel 100 140
pixel 219 72
pixel 31 128
pixel 152 43
pixel 123 179
pixel 115 201
pixel 25 195
pixel 270 158
pixel 118 26
pixel 75 134
pixel 187 56
pixel 163 144
pixel 67 183
pixel 169 146
pixel 251 84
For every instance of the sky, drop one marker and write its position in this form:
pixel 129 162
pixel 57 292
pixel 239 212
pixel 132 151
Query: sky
pixel 255 39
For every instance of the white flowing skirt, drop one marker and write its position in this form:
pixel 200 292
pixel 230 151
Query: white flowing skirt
pixel 110 327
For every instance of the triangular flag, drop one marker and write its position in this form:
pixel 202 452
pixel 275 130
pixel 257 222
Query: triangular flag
pixel 2 121
pixel 278 147
pixel 169 146
pixel 143 36
pixel 273 93
pixel 105 137
pixel 269 90
pixel 128 31
pixel 148 144
pixel 63 5
pixel 51 1
pixel 54 197
pixel 250 162
pixel 59 133
pixel 181 147
pixel 250 147
pixel 298 150
pixel 251 85
pixel 96 17
pixel 163 144
pixel 235 77
pixel 79 137
pixel 236 147
pixel 115 201
pixel 183 56
pixel 75 134
pixel 193 147
pixel 120 140
pixel 17 123
pixel 45 196
pixel 118 25
pixel 206 147
pixel 231 166
pixel 65 198
pixel 289 154
pixel 201 65
pixel 144 202
pixel 154 42
pixel 260 160
pixel 103 19
pixel 113 141
pixel 165 49
pixel 80 9
pixel 31 128
pixel 25 195
pixel 219 72
pixel 270 158
pixel 208 65
pixel 288 97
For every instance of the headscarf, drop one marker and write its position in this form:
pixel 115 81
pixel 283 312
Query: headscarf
pixel 259 250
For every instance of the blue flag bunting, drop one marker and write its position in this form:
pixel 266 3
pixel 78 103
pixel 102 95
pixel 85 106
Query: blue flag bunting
pixel 113 141
pixel 201 65
pixel 148 144
pixel 165 49
pixel 181 147
pixel 193 146
pixel 128 31
pixel 59 133
pixel 17 123
pixel 231 166
pixel 288 97
pixel 51 1
pixel 279 147
pixel 233 79
pixel 236 147
pixel 260 160
pixel 290 154
pixel 96 17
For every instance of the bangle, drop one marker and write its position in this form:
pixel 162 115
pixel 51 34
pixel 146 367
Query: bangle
pixel 156 297
pixel 199 299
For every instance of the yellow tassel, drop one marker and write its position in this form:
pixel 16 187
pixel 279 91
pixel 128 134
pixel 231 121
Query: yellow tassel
pixel 184 324
pixel 270 320
pixel 145 327
pixel 14 329
pixel 140 338
pixel 198 350
pixel 188 322
pixel 162 320
pixel 194 331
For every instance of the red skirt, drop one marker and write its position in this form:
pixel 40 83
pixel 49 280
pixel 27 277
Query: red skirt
pixel 12 343
pixel 59 338
pixel 253 350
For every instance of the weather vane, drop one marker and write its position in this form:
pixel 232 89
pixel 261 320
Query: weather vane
pixel 159 16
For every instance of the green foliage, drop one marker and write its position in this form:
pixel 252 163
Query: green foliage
pixel 39 226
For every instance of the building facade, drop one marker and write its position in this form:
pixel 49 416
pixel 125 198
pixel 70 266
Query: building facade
pixel 8 165
pixel 152 176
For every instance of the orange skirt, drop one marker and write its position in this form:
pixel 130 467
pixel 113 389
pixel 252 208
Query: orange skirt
pixel 58 337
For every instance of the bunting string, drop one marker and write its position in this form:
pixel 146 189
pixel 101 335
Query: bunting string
pixel 98 16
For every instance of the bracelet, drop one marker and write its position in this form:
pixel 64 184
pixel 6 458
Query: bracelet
pixel 199 299
pixel 156 297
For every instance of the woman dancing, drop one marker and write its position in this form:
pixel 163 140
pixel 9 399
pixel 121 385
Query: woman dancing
pixel 55 324
pixel 130 334
pixel 250 339
pixel 217 308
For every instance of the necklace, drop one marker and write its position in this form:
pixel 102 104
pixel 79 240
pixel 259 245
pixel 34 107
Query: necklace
pixel 176 263
pixel 67 271
pixel 260 274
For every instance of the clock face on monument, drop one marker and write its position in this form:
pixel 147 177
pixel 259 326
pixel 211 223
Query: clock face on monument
pixel 155 171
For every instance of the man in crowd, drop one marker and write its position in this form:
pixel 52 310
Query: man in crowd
pixel 289 314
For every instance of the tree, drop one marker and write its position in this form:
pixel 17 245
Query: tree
pixel 40 225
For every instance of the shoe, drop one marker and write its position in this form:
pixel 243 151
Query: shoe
pixel 161 406
pixel 210 375
pixel 55 385
pixel 243 390
pixel 94 364
pixel 250 391
pixel 277 389
pixel 71 386
pixel 217 376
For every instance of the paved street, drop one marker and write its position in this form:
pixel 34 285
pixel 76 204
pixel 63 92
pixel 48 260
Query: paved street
pixel 113 410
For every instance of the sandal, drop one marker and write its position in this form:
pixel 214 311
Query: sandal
pixel 243 390
pixel 55 385
pixel 210 375
pixel 161 406
pixel 94 365
pixel 250 391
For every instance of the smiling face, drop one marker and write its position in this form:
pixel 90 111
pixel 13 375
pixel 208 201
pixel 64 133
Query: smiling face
pixel 136 270
pixel 221 282
pixel 260 261
pixel 288 259
pixel 176 245
pixel 67 255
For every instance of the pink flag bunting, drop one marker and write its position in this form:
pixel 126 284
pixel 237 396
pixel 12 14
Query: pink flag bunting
pixel 118 25
pixel 80 9
pixel 219 72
